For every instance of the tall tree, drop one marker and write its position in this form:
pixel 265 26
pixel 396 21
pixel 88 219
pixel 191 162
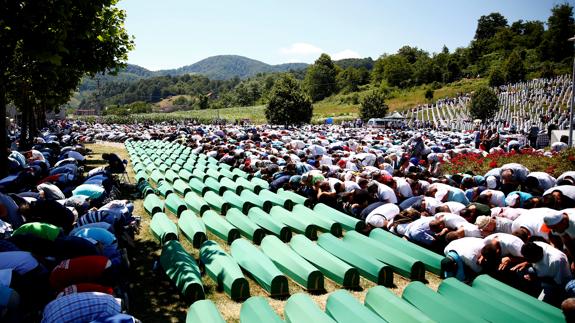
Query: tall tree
pixel 514 68
pixel 561 27
pixel 488 25
pixel 484 104
pixel 397 71
pixel 373 106
pixel 288 104
pixel 49 45
pixel 320 79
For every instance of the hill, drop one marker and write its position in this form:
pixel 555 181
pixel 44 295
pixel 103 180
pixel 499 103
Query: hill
pixel 224 67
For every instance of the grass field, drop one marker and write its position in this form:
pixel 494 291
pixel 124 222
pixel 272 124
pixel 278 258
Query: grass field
pixel 154 299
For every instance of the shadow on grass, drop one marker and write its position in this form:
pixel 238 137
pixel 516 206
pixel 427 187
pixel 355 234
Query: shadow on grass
pixel 153 297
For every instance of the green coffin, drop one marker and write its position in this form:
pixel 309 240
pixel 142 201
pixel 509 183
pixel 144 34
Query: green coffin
pixel 176 168
pixel 368 266
pixel 157 176
pixel 141 176
pixel 332 267
pixel 256 200
pixel 517 300
pixel 227 173
pixel 198 186
pixel 171 176
pixel 185 174
pixel 292 264
pixel 235 201
pixel 247 184
pixel 182 270
pixel 241 173
pixel 297 224
pixel 401 263
pixel 181 187
pixel 392 308
pixel 224 270
pixel 165 189
pixel 214 173
pixel 479 303
pixel 163 228
pixel 257 310
pixel 220 227
pixel 224 166
pixel 431 260
pixel 246 226
pixel 150 168
pixel 271 225
pixel 189 166
pixel 324 224
pixel 262 269
pixel 193 228
pixel 196 203
pixel 199 174
pixel 347 222
pixel 163 167
pixel 216 202
pixel 175 204
pixel 437 307
pixel 153 204
pixel 215 186
pixel 231 185
pixel 344 308
pixel 204 311
pixel 296 198
pixel 301 308
pixel 260 182
pixel 275 199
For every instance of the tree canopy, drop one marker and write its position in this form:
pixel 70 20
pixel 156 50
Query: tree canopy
pixel 484 104
pixel 373 106
pixel 288 105
pixel 320 79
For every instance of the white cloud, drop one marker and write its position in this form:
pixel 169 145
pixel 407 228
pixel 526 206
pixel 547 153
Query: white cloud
pixel 301 49
pixel 347 53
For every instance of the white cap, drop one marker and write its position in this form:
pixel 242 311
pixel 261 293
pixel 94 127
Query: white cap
pixel 491 182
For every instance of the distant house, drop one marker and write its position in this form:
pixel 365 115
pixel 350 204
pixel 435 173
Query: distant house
pixel 86 112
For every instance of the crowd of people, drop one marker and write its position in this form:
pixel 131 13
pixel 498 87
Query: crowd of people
pixel 512 223
pixel 64 235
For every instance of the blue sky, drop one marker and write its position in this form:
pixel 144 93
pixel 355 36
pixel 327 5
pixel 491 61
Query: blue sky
pixel 174 33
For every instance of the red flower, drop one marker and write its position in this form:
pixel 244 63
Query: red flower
pixel 493 164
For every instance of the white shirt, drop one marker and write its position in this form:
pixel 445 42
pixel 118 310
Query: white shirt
pixel 545 180
pixel 554 264
pixel 497 197
pixel 532 220
pixel 510 245
pixel 382 213
pixel 386 194
pixel 507 212
pixel 403 187
pixel 567 190
pixel 468 249
pixel 454 207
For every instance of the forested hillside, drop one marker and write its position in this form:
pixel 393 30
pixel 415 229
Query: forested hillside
pixel 501 52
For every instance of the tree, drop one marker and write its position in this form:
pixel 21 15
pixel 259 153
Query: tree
pixel 47 46
pixel 561 26
pixel 373 106
pixel 429 94
pixel 514 69
pixel 288 105
pixel 484 104
pixel 320 79
pixel 397 71
pixel 496 77
pixel 488 25
pixel 349 79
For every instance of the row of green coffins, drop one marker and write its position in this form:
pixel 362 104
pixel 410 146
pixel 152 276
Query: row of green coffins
pixel 313 282
pixel 453 302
